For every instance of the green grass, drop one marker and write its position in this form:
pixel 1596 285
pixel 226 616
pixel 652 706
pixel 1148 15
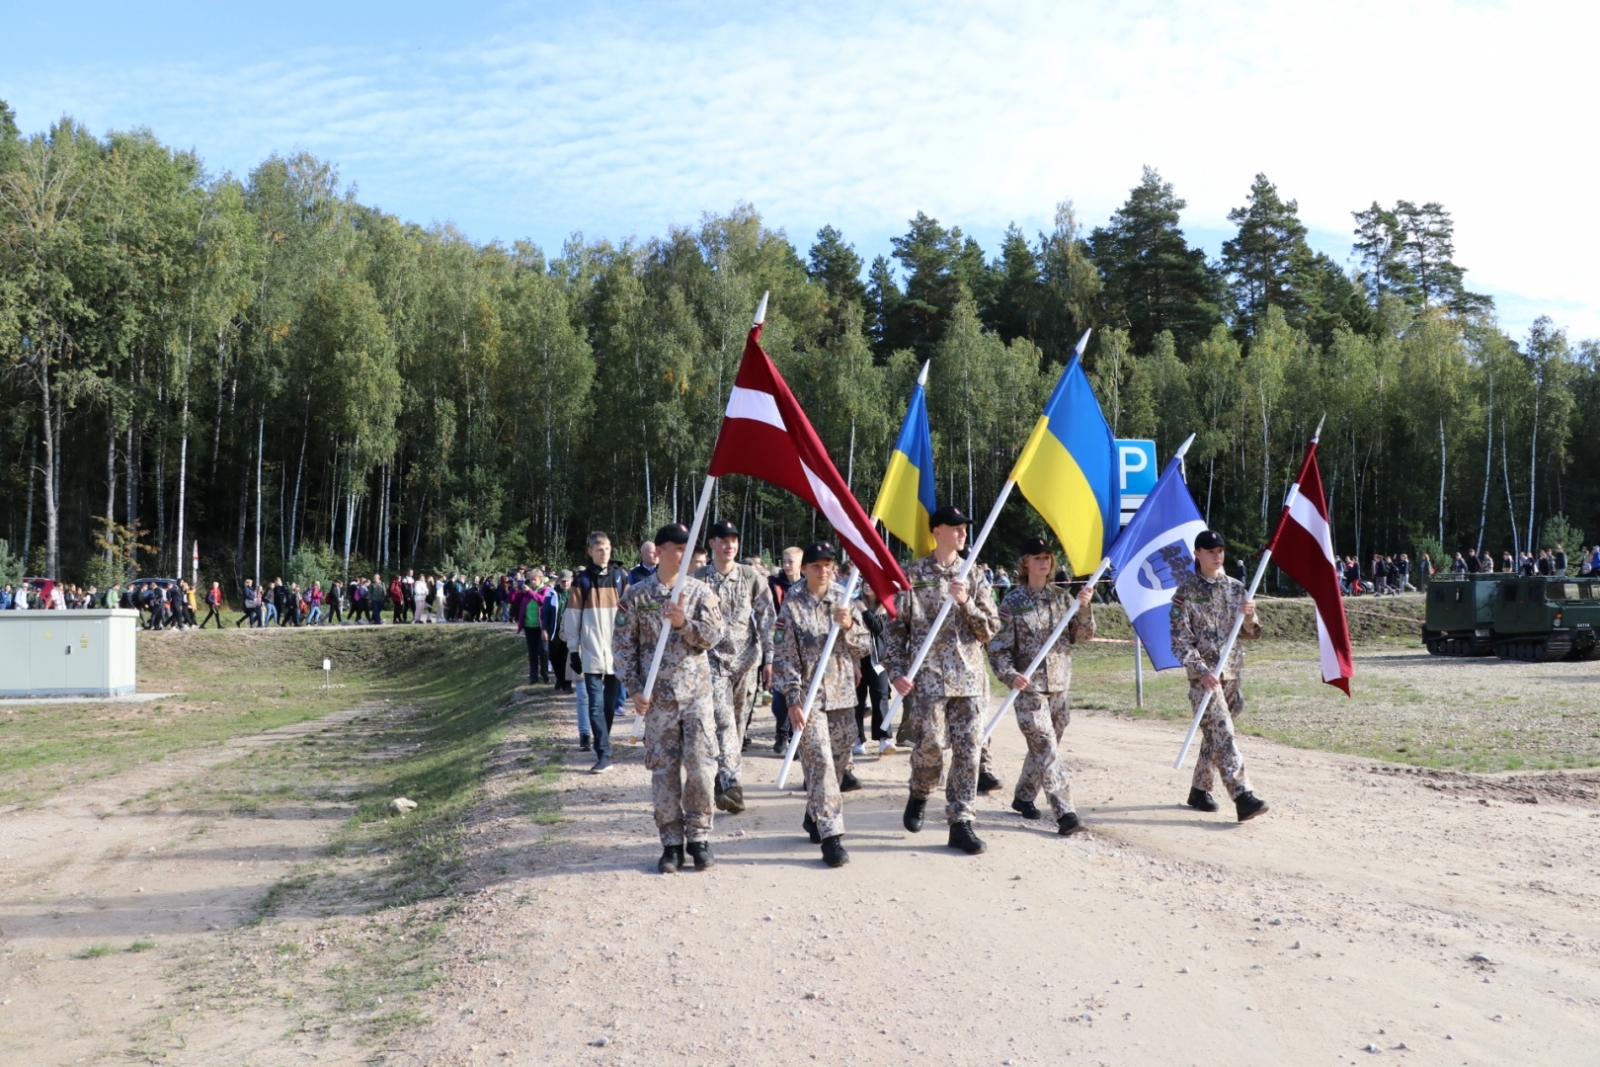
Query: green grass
pixel 228 684
pixel 1479 715
pixel 449 694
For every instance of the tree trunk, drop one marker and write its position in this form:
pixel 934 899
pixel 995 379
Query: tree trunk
pixel 299 472
pixel 1505 473
pixel 111 485
pixel 1488 470
pixel 183 470
pixel 52 515
pixel 27 523
pixel 1533 466
pixel 1441 479
pixel 261 437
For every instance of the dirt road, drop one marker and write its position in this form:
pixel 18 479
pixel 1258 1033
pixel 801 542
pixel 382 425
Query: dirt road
pixel 1376 912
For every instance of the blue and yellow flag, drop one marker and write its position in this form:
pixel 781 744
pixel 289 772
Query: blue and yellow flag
pixel 906 499
pixel 1068 469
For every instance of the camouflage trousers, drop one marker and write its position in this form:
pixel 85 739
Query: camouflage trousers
pixel 681 752
pixel 732 694
pixel 824 749
pixel 954 723
pixel 1219 750
pixel 1043 718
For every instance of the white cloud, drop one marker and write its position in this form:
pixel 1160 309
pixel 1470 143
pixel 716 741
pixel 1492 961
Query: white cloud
pixel 631 118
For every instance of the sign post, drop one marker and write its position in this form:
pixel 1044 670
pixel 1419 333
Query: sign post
pixel 1136 464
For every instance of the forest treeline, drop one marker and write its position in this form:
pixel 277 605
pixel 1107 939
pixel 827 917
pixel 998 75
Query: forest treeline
pixel 293 378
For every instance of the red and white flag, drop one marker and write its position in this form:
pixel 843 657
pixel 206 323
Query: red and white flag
pixel 1303 547
pixel 766 435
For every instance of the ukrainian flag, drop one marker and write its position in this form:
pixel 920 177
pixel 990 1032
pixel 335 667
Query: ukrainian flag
pixel 906 499
pixel 1068 469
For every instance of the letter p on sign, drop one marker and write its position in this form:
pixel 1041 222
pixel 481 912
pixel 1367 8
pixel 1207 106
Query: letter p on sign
pixel 1136 461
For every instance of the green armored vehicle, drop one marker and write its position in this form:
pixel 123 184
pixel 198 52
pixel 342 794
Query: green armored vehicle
pixel 1513 617
pixel 1547 618
pixel 1460 618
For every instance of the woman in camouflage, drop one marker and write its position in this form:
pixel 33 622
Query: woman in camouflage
pixel 810 607
pixel 1028 615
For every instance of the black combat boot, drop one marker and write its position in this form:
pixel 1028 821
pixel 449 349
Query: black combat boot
pixel 671 859
pixel 1249 806
pixel 1027 809
pixel 913 816
pixel 987 782
pixel 731 799
pixel 809 825
pixel 833 853
pixel 1200 800
pixel 1068 824
pixel 701 851
pixel 962 837
pixel 849 783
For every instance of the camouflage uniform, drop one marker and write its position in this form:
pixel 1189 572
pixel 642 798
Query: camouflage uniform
pixel 679 746
pixel 736 660
pixel 952 688
pixel 1203 610
pixel 797 642
pixel 1027 619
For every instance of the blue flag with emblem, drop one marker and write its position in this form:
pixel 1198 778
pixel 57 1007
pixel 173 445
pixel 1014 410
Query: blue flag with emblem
pixel 1154 552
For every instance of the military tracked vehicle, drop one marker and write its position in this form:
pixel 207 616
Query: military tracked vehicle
pixel 1513 617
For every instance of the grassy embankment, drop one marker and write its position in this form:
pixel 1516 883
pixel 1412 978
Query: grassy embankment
pixel 345 943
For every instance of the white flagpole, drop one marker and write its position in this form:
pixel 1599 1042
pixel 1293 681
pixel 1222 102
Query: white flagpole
pixel 944 608
pixel 816 679
pixel 677 591
pixel 1038 660
pixel 1238 622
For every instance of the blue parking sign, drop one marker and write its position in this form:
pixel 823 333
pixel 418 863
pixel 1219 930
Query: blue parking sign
pixel 1136 466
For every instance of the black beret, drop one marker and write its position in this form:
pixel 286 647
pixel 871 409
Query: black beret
pixel 673 533
pixel 949 515
pixel 1209 539
pixel 723 529
pixel 1036 546
pixel 819 551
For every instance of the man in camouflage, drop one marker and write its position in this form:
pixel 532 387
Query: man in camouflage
pixel 953 685
pixel 1029 614
pixel 736 661
pixel 1204 608
pixel 680 745
pixel 809 610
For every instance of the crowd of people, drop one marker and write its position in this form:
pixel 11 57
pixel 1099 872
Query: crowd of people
pixel 1552 562
pixel 739 628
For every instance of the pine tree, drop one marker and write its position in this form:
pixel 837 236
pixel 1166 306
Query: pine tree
pixel 1260 259
pixel 1153 280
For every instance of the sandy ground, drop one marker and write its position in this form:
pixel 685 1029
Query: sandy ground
pixel 1376 912
pixel 91 866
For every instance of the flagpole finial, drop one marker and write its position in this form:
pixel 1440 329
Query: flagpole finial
pixel 1318 435
pixel 1184 447
pixel 1083 343
pixel 922 379
pixel 761 310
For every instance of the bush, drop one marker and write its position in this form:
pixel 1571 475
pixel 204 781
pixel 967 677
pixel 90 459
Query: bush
pixel 1558 531
pixel 313 562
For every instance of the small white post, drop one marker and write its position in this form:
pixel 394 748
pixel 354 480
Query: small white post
pixel 327 673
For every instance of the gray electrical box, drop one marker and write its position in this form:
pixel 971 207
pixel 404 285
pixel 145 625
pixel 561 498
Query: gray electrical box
pixel 68 653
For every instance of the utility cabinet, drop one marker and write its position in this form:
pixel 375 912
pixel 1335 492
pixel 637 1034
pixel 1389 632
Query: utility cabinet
pixel 68 653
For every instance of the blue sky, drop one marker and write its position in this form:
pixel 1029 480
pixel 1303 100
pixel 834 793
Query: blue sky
pixel 532 120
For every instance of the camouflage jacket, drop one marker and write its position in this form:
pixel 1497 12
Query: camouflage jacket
pixel 1027 619
pixel 954 667
pixel 797 642
pixel 1203 610
pixel 685 670
pixel 747 605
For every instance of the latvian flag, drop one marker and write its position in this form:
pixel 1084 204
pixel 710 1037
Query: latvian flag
pixel 766 435
pixel 1303 547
